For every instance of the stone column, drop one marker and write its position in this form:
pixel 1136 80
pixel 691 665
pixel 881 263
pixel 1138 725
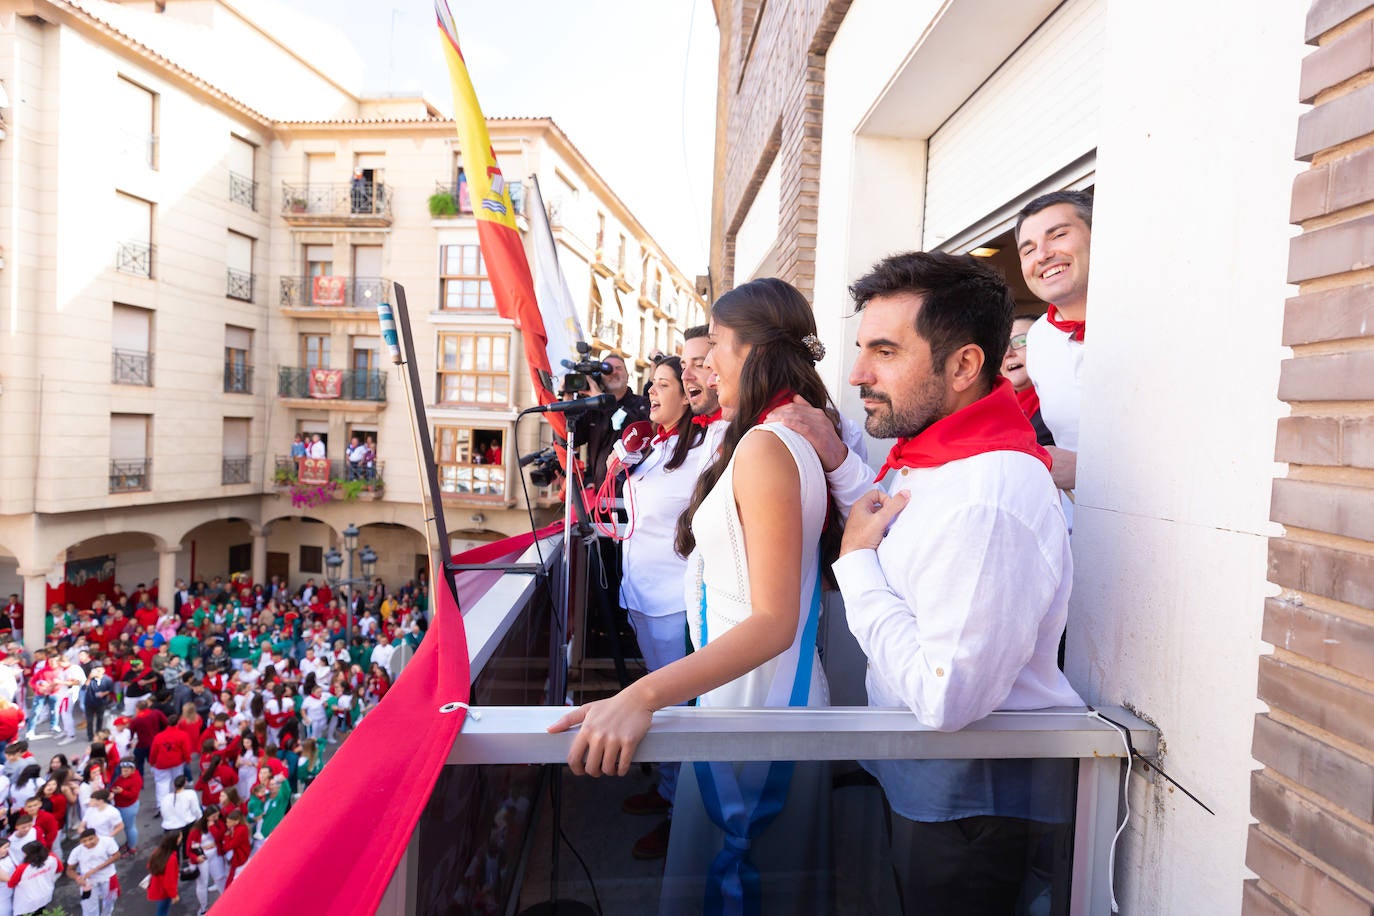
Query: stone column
pixel 259 565
pixel 35 606
pixel 167 574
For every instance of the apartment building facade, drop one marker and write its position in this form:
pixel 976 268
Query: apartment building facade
pixel 191 279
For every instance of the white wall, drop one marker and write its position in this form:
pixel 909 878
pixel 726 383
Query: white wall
pixel 1194 172
pixel 1189 258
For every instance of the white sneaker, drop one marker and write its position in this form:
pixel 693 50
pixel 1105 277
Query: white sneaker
pixel 66 739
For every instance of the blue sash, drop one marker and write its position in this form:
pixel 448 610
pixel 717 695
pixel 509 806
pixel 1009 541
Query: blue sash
pixel 743 803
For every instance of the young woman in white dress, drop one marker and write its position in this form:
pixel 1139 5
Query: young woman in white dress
pixel 753 538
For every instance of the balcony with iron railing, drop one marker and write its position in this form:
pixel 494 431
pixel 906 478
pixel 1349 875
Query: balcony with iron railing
pixel 504 767
pixel 238 378
pixel 334 292
pixel 353 204
pixel 131 367
pixel 326 386
pixel 455 192
pixel 346 480
pixel 243 190
pixel 235 470
pixel 238 285
pixel 131 475
pixel 135 258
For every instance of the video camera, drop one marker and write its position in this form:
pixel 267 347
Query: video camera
pixel 586 368
pixel 545 468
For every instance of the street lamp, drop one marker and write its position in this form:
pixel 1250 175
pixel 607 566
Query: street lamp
pixel 333 560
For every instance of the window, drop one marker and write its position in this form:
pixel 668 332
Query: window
pixel 129 463
pixel 315 351
pixel 319 168
pixel 474 369
pixel 471 461
pixel 131 337
pixel 464 280
pixel 312 559
pixel 239 272
pixel 238 360
pixel 243 183
pixel 235 450
pixel 134 235
pixel 319 260
pixel 137 107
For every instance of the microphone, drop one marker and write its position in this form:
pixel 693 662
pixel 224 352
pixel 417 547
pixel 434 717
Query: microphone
pixel 634 442
pixel 387 319
pixel 578 406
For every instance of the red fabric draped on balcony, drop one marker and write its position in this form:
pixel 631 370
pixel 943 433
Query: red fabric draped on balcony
pixel 337 848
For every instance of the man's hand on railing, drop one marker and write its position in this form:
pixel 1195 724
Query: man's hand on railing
pixel 610 731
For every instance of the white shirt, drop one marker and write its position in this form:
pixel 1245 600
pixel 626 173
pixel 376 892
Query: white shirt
pixel 1055 364
pixel 652 579
pixel 86 860
pixel 382 656
pixel 180 809
pixel 35 887
pixel 961 607
pixel 313 709
pixel 316 449
pixel 357 454
pixel 104 820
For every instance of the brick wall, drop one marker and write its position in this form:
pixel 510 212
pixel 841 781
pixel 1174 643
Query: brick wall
pixel 1313 845
pixel 772 75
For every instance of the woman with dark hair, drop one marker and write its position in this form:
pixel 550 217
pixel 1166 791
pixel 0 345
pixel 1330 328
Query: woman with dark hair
pixel 758 531
pixel 165 886
pixel 34 879
pixel 657 489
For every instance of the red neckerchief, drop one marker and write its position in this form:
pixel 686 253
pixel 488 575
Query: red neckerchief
pixel 706 419
pixel 1075 329
pixel 661 435
pixel 781 399
pixel 1029 399
pixel 993 423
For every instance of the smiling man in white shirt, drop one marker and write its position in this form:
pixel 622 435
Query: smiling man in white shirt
pixel 1054 241
pixel 958 602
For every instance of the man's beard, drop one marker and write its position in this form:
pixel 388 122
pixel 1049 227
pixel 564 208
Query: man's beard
pixel 927 406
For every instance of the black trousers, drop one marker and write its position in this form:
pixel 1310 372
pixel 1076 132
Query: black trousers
pixel 978 866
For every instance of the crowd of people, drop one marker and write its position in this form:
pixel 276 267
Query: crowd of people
pixel 216 705
pixel 754 492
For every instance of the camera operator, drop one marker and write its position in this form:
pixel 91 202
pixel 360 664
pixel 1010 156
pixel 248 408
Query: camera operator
pixel 599 430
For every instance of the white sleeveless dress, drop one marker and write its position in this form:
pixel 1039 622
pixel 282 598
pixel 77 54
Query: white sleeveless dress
pixel 773 855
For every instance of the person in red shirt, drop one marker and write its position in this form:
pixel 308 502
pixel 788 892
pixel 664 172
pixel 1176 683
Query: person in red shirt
pixel 146 616
pixel 11 719
pixel 192 723
pixel 215 776
pixel 165 886
pixel 124 792
pixel 43 822
pixel 236 845
pixel 146 725
pixel 169 754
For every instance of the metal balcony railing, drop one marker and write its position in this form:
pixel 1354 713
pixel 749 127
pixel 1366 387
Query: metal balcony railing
pixel 131 475
pixel 243 190
pixel 238 379
pixel 516 189
pixel 131 367
pixel 334 292
pixel 353 385
pixel 134 258
pixel 235 471
pixel 238 285
pixel 354 202
pixel 489 769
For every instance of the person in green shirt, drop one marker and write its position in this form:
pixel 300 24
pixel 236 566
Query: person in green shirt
pixel 278 801
pixel 184 645
pixel 312 761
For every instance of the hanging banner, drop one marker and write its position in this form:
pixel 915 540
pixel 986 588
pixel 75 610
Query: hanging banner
pixel 326 383
pixel 328 291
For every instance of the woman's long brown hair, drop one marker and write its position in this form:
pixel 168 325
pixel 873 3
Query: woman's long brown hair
pixel 772 317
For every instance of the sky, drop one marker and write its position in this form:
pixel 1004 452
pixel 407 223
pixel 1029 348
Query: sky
pixel 631 82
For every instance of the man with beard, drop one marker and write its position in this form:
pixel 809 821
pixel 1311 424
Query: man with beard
pixel 959 603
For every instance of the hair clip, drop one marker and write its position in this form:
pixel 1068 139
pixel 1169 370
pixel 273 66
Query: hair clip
pixel 813 345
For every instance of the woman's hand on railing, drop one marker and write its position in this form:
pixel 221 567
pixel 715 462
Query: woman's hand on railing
pixel 609 732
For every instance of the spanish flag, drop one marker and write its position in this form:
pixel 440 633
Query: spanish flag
pixel 507 269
